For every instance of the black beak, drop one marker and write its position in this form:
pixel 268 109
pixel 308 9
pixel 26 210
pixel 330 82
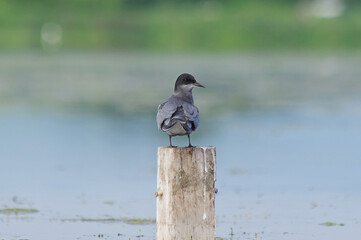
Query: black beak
pixel 197 84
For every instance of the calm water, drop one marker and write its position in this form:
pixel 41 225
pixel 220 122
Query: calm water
pixel 288 143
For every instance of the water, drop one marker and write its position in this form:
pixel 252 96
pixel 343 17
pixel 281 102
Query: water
pixel 288 156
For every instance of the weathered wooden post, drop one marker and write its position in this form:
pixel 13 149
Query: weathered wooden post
pixel 185 193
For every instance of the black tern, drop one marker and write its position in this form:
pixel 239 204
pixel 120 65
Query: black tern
pixel 178 116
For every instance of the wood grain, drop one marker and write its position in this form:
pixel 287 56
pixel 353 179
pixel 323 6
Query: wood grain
pixel 186 193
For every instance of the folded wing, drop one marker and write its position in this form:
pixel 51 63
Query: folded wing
pixel 192 114
pixel 170 113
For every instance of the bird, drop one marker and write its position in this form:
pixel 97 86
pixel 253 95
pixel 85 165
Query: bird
pixel 178 116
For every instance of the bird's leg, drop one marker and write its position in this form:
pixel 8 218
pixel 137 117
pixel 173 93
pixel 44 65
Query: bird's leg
pixel 170 141
pixel 189 140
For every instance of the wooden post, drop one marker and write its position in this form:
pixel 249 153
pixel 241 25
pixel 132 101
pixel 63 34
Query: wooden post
pixel 185 193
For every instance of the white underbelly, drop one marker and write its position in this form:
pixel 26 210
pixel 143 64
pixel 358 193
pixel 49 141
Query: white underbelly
pixel 176 129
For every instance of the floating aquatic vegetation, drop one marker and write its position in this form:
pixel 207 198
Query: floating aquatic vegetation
pixel 330 224
pixel 18 210
pixel 132 221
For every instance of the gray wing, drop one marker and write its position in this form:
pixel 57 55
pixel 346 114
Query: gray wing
pixel 165 112
pixel 192 114
pixel 172 111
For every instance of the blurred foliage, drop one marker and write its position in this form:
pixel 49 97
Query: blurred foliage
pixel 179 25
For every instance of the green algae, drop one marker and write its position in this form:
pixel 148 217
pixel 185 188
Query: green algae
pixel 139 221
pixel 330 224
pixel 18 210
pixel 132 221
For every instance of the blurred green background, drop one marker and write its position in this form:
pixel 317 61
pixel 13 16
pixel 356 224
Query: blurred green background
pixel 201 25
pixel 96 55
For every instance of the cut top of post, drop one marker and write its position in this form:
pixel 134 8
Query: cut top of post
pixel 185 148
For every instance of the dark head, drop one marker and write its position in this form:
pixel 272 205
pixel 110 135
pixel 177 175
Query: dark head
pixel 186 82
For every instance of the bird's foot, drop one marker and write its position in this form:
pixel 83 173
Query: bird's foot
pixel 171 146
pixel 190 145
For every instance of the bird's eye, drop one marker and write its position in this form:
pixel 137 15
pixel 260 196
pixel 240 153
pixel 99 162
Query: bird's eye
pixel 190 81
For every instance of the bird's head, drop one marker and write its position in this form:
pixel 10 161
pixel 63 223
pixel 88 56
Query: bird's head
pixel 186 82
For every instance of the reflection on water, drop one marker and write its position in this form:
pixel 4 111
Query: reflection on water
pixel 288 154
pixel 132 83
